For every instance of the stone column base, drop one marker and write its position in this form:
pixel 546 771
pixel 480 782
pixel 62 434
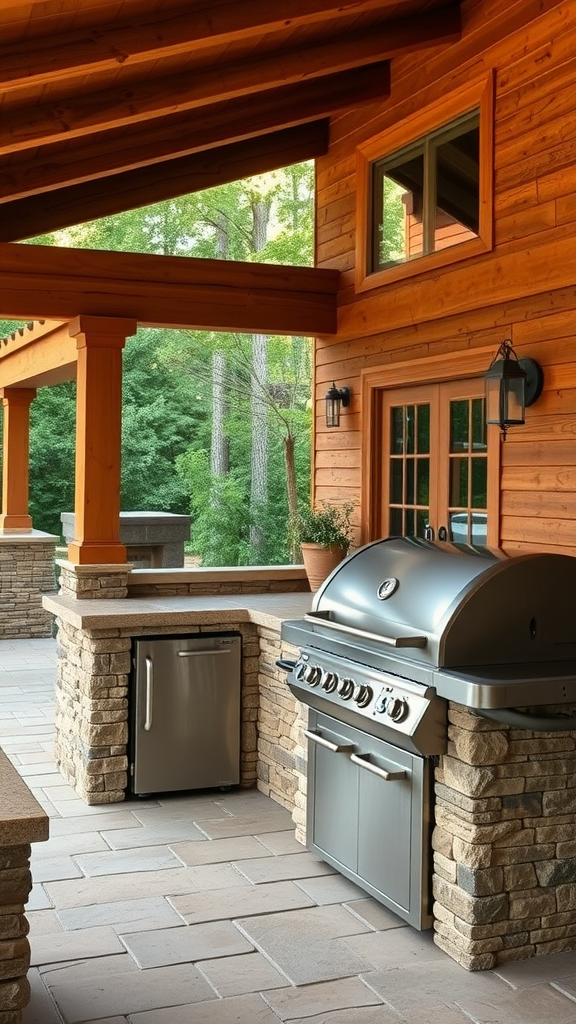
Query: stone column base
pixel 26 573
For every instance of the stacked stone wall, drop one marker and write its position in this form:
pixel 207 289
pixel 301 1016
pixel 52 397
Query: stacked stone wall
pixel 26 574
pixel 15 886
pixel 215 588
pixel 282 752
pixel 504 842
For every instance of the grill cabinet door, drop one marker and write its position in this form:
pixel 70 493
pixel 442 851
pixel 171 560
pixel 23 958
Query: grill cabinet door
pixel 375 832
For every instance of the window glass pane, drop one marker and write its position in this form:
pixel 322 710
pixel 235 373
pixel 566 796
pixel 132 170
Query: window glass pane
pixel 410 425
pixel 410 529
pixel 459 426
pixel 459 483
pixel 479 483
pixel 396 522
pixel 457 187
pixel 396 481
pixel 423 430
pixel 422 482
pixel 398 206
pixel 479 528
pixel 397 430
pixel 410 481
pixel 479 424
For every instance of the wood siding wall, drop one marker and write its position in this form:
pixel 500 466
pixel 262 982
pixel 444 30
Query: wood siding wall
pixel 523 289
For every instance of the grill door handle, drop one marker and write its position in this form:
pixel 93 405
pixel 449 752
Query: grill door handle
pixel 199 653
pixel 149 694
pixel 336 748
pixel 362 761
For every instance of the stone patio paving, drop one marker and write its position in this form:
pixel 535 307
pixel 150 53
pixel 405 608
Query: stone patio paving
pixel 203 909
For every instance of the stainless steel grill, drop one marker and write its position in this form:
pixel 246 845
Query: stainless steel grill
pixel 398 629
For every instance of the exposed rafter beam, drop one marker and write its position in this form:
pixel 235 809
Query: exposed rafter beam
pixel 148 99
pixel 41 282
pixel 184 134
pixel 165 36
pixel 37 215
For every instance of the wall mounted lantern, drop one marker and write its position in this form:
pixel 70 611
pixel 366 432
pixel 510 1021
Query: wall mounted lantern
pixel 336 397
pixel 512 385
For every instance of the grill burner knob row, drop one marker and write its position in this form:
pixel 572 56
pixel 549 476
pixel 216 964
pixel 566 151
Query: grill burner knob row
pixel 363 695
pixel 397 708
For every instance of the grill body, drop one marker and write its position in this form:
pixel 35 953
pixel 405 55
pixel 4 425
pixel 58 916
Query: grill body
pixel 399 628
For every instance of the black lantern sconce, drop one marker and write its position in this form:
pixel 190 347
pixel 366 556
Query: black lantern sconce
pixel 335 398
pixel 512 385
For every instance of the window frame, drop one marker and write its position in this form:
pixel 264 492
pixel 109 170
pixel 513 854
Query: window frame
pixel 476 95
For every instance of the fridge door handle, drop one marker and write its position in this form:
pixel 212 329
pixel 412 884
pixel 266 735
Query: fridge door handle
pixel 149 694
pixel 201 654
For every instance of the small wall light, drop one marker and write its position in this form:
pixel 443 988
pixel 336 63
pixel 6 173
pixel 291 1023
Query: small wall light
pixel 512 384
pixel 336 397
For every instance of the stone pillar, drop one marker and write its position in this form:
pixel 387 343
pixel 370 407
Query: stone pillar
pixel 504 842
pixel 26 574
pixel 15 472
pixel 99 341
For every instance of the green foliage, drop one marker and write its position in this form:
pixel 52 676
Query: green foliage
pixel 329 525
pixel 52 453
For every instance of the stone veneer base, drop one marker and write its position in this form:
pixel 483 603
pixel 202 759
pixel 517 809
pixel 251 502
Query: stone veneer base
pixel 26 574
pixel 504 842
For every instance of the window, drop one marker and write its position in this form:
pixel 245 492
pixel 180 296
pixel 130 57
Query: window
pixel 424 189
pixel 426 196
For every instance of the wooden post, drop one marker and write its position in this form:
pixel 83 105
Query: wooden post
pixel 15 470
pixel 99 341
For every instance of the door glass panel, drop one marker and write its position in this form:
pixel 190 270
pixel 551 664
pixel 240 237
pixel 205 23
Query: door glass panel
pixel 479 424
pixel 410 524
pixel 459 426
pixel 410 424
pixel 396 481
pixel 423 434
pixel 459 483
pixel 423 482
pixel 397 430
pixel 409 481
pixel 396 524
pixel 479 483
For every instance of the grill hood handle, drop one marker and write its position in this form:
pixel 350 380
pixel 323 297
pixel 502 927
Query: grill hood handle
pixel 389 641
pixel 522 720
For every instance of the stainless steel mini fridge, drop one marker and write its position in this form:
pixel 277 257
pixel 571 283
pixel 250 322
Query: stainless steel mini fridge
pixel 185 713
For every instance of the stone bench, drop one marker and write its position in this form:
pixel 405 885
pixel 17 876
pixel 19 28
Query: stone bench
pixel 22 822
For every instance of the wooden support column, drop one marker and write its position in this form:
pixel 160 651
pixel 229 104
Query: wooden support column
pixel 15 463
pixel 99 341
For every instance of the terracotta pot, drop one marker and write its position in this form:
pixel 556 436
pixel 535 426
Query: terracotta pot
pixel 319 561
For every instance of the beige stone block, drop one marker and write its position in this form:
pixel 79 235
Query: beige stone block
pixel 442 841
pixel 115 781
pixel 14 996
pixel 481 834
pixel 473 855
pixel 520 876
pixel 465 719
pixel 522 854
pixel 507 956
pixel 531 903
pixel 471 962
pixel 103 735
pixel 445 867
pixel 542 935
pixel 559 946
pixel 474 909
pixel 479 748
pixel 476 781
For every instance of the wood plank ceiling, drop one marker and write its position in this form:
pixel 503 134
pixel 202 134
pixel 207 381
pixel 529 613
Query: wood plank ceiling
pixel 107 105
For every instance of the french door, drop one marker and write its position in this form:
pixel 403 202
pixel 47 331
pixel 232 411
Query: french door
pixel 434 475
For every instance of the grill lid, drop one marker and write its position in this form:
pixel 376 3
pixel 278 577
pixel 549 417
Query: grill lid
pixel 448 606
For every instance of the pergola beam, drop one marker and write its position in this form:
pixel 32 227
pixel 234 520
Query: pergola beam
pixel 42 282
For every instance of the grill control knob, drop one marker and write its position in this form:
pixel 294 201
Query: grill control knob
pixel 346 688
pixel 329 681
pixel 300 669
pixel 312 675
pixel 397 709
pixel 363 695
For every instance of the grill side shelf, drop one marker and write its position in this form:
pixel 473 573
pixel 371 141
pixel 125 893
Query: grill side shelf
pixel 389 641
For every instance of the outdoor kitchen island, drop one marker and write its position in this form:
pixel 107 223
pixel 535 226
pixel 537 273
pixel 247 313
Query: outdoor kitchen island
pixel 504 834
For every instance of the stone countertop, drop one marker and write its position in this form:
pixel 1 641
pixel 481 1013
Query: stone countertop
pixel 22 819
pixel 262 609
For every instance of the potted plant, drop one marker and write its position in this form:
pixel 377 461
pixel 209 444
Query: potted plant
pixel 324 534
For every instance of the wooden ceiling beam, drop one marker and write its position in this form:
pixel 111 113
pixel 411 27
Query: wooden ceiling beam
pixel 155 38
pixel 42 282
pixel 184 134
pixel 152 98
pixel 103 197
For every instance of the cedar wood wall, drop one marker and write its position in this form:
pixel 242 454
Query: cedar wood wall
pixel 523 289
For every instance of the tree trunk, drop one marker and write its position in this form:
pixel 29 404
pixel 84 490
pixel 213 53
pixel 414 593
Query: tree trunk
pixel 218 447
pixel 258 396
pixel 292 494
